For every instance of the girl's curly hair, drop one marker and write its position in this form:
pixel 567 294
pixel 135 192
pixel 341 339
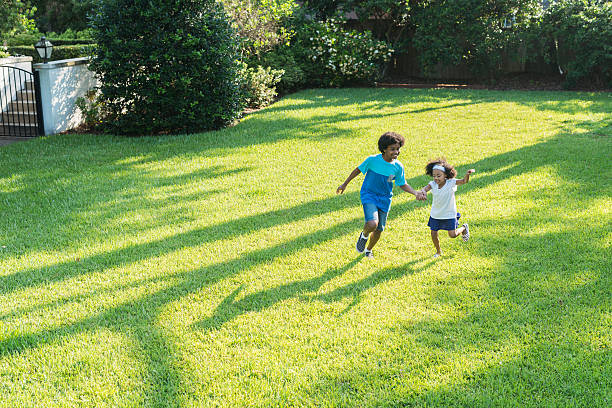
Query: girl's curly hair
pixel 450 170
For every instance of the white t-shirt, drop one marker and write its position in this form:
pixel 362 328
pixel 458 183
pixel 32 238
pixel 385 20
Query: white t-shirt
pixel 443 206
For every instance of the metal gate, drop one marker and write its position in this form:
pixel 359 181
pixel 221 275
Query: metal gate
pixel 20 103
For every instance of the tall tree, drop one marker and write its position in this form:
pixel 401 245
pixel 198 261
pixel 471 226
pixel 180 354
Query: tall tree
pixel 60 15
pixel 9 15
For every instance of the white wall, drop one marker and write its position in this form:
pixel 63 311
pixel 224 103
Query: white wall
pixel 9 92
pixel 61 84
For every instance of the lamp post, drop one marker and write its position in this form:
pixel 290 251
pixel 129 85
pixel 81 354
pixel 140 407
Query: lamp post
pixel 44 49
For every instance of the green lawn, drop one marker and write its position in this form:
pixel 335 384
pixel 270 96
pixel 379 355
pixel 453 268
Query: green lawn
pixel 219 269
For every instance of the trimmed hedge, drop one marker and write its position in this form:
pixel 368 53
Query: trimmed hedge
pixel 31 39
pixel 59 52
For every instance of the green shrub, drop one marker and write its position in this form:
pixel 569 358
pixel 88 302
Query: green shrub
pixel 92 109
pixel 283 57
pixel 581 34
pixel 178 74
pixel 259 85
pixel 331 55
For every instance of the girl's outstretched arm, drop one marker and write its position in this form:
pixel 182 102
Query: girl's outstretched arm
pixel 466 178
pixel 351 176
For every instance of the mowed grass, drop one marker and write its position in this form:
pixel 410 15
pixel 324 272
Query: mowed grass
pixel 219 269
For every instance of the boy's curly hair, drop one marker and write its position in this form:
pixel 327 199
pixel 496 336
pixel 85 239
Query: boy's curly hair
pixel 450 170
pixel 389 138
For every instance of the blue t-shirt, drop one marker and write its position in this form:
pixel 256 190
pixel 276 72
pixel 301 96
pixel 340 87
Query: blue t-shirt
pixel 377 187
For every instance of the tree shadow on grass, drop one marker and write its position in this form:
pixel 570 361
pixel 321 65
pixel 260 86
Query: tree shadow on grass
pixel 356 289
pixel 139 318
pixel 229 308
pixel 86 173
pixel 380 99
pixel 208 235
pixel 533 335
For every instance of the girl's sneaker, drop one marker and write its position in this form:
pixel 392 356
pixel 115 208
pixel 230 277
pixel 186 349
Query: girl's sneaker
pixel 436 255
pixel 361 243
pixel 466 235
pixel 368 254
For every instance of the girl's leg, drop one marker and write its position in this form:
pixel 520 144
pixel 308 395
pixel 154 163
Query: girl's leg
pixel 456 233
pixel 436 241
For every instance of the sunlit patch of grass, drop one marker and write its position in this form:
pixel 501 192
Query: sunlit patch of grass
pixel 218 269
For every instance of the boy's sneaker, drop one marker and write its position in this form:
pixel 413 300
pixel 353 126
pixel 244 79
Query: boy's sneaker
pixel 368 254
pixel 361 243
pixel 466 235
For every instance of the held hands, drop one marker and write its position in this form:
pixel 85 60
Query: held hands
pixel 471 171
pixel 341 188
pixel 420 195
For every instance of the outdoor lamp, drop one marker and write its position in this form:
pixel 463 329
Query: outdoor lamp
pixel 44 48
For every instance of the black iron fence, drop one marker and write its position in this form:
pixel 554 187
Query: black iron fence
pixel 20 103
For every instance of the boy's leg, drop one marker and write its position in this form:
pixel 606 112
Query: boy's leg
pixel 369 227
pixel 371 222
pixel 374 239
pixel 436 241
pixel 375 236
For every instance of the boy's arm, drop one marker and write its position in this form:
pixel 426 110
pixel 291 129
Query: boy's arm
pixel 408 188
pixel 466 178
pixel 351 176
pixel 425 189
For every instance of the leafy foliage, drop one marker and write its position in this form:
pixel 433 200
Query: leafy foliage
pixel 581 32
pixel 92 109
pixel 15 16
pixel 166 66
pixel 284 57
pixel 260 23
pixel 260 85
pixel 60 15
pixel 393 18
pixel 9 11
pixel 469 32
pixel 59 52
pixel 335 56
